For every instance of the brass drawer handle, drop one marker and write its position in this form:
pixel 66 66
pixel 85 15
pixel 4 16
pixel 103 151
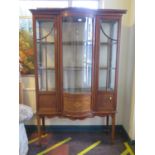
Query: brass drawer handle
pixel 110 98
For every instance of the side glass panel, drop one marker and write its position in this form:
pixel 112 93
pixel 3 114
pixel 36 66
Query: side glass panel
pixel 107 54
pixel 77 53
pixel 46 54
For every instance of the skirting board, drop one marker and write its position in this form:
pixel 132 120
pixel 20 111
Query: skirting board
pixel 83 128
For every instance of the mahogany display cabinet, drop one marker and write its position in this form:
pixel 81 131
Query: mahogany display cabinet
pixel 76 63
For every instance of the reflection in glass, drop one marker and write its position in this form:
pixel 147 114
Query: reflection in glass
pixel 103 56
pixel 42 80
pixel 77 53
pixel 113 55
pixel 50 79
pixel 44 27
pixel 46 59
pixel 102 79
pixel 112 80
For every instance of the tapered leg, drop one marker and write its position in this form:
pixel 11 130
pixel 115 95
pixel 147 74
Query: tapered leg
pixel 43 124
pixel 113 129
pixel 107 124
pixel 107 120
pixel 39 130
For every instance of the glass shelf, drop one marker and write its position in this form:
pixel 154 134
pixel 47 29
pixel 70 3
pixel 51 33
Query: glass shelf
pixel 77 68
pixel 73 43
pixel 48 89
pixel 77 90
pixel 106 68
pixel 46 68
pixel 105 89
pixel 88 43
pixel 45 43
pixel 108 43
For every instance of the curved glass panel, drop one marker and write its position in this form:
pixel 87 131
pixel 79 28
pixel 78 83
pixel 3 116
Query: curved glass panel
pixel 77 53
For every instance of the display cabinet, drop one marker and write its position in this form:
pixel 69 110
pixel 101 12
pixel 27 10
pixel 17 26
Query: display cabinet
pixel 76 63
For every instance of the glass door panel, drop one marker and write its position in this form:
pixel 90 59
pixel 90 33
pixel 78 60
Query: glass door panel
pixel 77 53
pixel 45 29
pixel 42 80
pixel 50 79
pixel 112 78
pixel 46 54
pixel 103 56
pixel 107 54
pixel 113 55
pixel 102 79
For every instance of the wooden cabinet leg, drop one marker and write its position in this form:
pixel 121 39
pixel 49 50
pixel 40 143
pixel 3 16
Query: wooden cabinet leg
pixel 107 120
pixel 39 130
pixel 107 124
pixel 113 129
pixel 43 124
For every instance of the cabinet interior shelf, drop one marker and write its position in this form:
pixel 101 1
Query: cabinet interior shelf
pixel 106 68
pixel 45 43
pixel 107 43
pixel 105 89
pixel 87 43
pixel 77 90
pixel 46 90
pixel 80 90
pixel 77 68
pixel 75 43
pixel 46 68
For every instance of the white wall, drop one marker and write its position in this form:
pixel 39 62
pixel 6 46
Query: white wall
pixel 131 129
pixel 125 110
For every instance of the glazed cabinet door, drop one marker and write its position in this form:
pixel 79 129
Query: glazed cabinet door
pixel 46 64
pixel 107 43
pixel 77 48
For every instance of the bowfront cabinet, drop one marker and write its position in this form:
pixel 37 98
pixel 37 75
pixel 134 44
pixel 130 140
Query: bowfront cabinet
pixel 76 62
